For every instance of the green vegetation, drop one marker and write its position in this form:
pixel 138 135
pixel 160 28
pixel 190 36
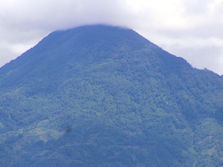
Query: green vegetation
pixel 105 96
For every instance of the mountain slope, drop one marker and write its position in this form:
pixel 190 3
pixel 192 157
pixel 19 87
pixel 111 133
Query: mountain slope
pixel 105 96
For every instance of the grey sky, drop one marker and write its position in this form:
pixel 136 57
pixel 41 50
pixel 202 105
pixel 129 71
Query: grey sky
pixel 188 28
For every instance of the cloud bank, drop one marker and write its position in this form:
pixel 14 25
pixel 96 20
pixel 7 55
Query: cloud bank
pixel 187 28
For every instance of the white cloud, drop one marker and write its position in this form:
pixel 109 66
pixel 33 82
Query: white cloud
pixel 188 28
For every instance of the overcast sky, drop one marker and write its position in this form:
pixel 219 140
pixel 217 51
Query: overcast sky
pixel 192 29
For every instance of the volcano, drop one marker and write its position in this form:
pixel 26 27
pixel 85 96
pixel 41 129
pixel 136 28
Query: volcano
pixel 105 96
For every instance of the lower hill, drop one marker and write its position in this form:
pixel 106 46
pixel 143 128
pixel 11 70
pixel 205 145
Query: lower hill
pixel 105 96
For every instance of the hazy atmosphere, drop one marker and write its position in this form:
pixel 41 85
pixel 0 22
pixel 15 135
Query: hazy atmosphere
pixel 97 93
pixel 187 28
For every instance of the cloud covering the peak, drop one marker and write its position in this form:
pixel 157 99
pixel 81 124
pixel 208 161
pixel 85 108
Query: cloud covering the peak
pixel 188 28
